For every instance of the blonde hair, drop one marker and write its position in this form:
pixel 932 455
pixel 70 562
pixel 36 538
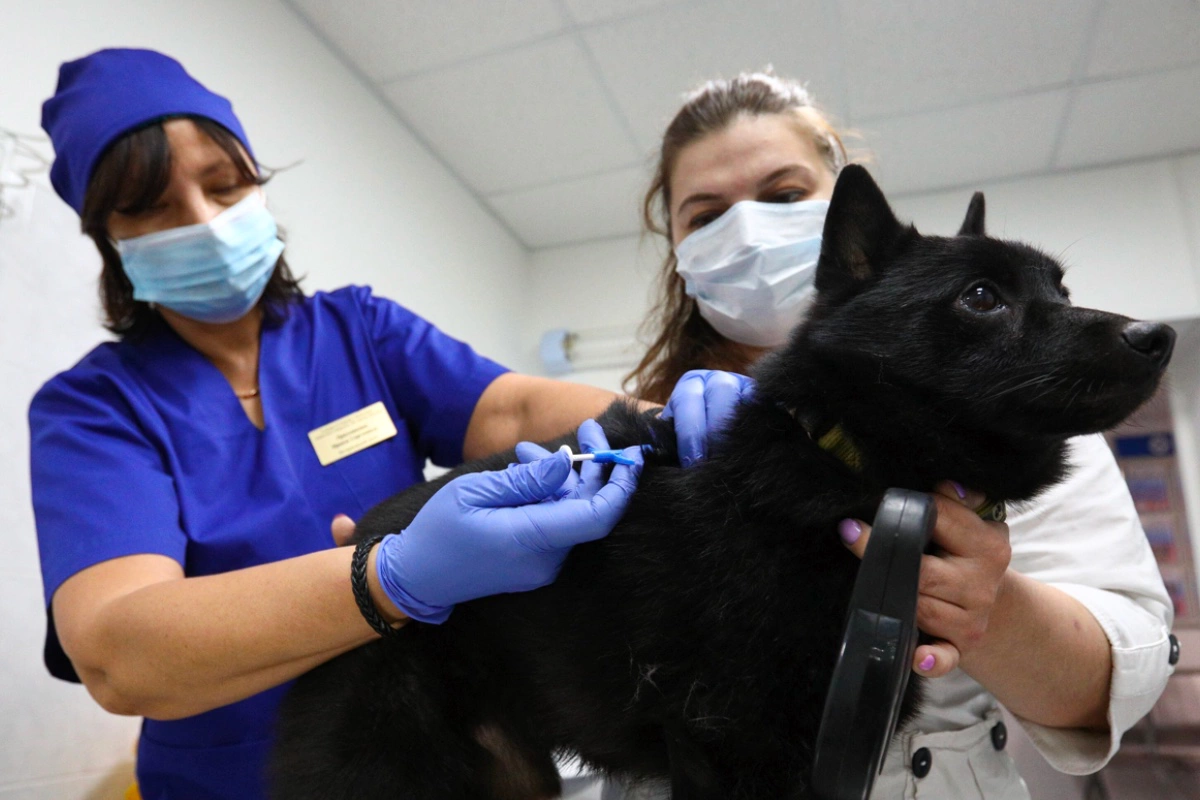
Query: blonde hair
pixel 680 338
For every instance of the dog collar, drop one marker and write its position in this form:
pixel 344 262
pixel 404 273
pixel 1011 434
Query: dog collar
pixel 838 444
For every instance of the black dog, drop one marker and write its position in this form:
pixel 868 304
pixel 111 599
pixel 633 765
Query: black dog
pixel 696 642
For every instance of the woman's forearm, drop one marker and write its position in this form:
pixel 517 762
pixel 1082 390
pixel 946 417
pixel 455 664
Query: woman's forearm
pixel 179 647
pixel 518 408
pixel 1044 656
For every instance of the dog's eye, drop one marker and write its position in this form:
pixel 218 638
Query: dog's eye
pixel 981 298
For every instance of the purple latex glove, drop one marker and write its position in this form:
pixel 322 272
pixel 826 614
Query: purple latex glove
pixel 493 532
pixel 701 403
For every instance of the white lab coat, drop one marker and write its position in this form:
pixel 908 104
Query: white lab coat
pixel 1083 536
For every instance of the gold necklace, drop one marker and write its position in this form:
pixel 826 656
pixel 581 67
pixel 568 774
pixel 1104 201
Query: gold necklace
pixel 247 395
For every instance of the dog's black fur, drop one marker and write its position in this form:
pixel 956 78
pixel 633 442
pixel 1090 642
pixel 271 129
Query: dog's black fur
pixel 696 642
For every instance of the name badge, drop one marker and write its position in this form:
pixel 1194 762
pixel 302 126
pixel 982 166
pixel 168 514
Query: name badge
pixel 352 433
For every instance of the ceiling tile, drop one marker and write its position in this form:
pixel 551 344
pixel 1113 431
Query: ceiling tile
pixel 902 57
pixel 523 118
pixel 1146 35
pixel 1133 118
pixel 965 145
pixel 590 11
pixel 651 61
pixel 390 38
pixel 574 211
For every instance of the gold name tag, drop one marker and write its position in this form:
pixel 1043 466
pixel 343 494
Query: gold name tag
pixel 352 433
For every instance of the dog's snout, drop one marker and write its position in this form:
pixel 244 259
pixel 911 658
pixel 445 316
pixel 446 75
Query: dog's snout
pixel 1152 339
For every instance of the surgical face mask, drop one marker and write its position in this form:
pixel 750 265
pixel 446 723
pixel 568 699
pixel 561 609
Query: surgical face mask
pixel 752 270
pixel 212 272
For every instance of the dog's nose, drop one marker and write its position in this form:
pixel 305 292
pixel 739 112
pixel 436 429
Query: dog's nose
pixel 1152 339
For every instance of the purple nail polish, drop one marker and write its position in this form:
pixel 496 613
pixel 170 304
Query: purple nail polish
pixel 927 663
pixel 958 487
pixel 849 530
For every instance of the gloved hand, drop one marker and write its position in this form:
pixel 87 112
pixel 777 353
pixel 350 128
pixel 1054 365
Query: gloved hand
pixel 701 403
pixel 493 532
pixel 590 478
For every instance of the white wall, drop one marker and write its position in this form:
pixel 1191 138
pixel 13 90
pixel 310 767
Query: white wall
pixel 604 284
pixel 366 205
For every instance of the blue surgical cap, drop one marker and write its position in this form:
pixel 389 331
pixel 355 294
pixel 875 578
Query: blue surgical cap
pixel 110 92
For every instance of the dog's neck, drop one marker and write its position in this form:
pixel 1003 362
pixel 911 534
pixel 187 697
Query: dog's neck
pixel 839 444
pixel 860 424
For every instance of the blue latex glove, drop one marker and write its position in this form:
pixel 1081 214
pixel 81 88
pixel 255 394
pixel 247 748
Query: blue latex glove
pixel 493 532
pixel 701 403
pixel 590 478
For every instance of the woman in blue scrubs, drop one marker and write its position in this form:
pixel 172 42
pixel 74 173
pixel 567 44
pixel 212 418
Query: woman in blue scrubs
pixel 185 476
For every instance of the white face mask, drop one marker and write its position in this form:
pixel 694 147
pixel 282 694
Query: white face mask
pixel 752 270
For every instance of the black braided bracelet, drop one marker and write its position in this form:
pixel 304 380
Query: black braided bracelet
pixel 362 593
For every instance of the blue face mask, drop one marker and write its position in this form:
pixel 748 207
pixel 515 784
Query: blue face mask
pixel 212 272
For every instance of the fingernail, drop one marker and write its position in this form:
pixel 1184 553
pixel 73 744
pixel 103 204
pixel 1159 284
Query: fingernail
pixel 958 487
pixel 341 516
pixel 927 663
pixel 849 530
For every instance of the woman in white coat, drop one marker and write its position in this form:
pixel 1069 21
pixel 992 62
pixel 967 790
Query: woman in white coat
pixel 1060 616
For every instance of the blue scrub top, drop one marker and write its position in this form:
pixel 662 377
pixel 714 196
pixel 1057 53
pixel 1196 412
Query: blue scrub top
pixel 144 448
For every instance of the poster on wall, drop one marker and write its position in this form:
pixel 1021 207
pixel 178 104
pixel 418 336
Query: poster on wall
pixel 1145 451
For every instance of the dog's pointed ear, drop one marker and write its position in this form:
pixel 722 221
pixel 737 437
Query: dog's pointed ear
pixel 861 233
pixel 973 224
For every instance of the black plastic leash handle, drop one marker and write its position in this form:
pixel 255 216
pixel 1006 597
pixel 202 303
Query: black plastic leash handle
pixel 880 636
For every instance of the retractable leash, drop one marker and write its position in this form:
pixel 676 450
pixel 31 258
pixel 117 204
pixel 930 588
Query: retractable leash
pixel 863 704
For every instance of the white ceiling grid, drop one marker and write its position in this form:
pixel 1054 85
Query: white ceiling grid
pixel 550 110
